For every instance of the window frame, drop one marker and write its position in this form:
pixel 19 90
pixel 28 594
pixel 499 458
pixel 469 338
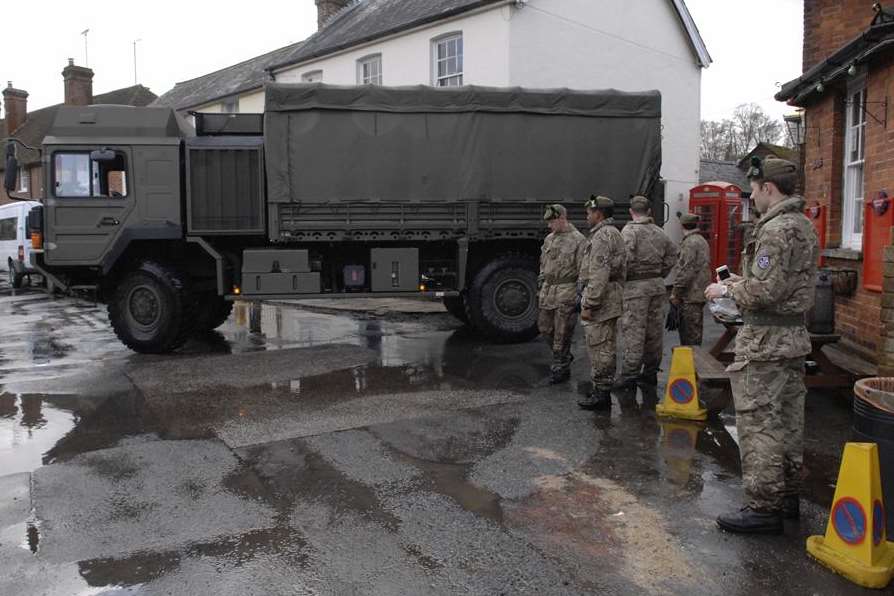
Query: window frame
pixel 436 78
pixel 15 228
pixel 369 59
pixel 90 196
pixel 307 76
pixel 230 102
pixel 854 140
pixel 24 184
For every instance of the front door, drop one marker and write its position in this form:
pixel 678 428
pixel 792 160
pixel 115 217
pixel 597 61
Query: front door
pixel 87 205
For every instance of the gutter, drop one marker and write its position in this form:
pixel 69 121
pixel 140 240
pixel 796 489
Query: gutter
pixel 855 51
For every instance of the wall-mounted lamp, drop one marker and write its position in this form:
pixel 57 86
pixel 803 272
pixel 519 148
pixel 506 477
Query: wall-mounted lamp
pixel 852 71
pixel 820 87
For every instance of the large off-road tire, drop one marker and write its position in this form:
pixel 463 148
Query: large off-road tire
pixel 502 300
pixel 213 311
pixel 151 310
pixel 456 306
pixel 16 280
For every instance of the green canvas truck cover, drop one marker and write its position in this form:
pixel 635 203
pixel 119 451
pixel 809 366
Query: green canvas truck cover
pixel 326 144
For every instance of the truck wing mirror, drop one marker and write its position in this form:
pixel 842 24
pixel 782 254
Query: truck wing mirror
pixel 9 177
pixel 104 154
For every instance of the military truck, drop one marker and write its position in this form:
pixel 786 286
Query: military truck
pixel 332 192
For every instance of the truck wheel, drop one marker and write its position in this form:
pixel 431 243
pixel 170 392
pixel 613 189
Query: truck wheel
pixel 16 280
pixel 456 306
pixel 502 300
pixel 151 310
pixel 213 312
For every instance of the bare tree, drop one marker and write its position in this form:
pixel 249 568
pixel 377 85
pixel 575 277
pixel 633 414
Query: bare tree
pixel 732 138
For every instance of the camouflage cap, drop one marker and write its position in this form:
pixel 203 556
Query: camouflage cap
pixel 599 202
pixel 769 168
pixel 554 212
pixel 690 218
pixel 640 203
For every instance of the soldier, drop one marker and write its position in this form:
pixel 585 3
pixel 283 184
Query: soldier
pixel 560 260
pixel 693 276
pixel 603 269
pixel 768 375
pixel 650 257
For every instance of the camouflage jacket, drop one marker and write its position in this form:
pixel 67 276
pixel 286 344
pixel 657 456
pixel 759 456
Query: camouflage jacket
pixel 693 268
pixel 650 257
pixel 604 267
pixel 778 287
pixel 560 260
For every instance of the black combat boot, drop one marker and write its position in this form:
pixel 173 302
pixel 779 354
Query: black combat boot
pixel 559 376
pixel 791 507
pixel 598 399
pixel 751 521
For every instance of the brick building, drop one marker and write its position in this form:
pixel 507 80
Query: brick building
pixel 31 127
pixel 848 150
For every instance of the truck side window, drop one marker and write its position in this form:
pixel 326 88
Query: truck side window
pixel 75 175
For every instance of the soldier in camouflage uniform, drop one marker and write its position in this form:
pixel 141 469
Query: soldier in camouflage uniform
pixel 560 260
pixel 650 257
pixel 768 375
pixel 693 276
pixel 603 270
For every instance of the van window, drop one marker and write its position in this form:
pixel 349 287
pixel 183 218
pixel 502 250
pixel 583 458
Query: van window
pixel 8 228
pixel 75 175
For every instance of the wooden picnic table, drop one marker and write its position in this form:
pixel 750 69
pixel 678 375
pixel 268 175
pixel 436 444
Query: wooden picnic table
pixel 823 373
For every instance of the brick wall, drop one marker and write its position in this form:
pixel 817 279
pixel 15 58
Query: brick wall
pixel 829 24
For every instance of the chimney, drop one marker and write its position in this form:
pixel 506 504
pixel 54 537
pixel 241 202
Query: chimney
pixel 326 9
pixel 78 85
pixel 15 108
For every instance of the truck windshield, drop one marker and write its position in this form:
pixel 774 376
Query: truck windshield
pixel 75 175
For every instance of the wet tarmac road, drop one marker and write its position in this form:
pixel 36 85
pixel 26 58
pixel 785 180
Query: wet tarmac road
pixel 300 452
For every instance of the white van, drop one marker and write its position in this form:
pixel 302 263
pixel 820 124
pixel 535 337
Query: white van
pixel 15 244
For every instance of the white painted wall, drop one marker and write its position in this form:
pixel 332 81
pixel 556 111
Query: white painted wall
pixel 407 59
pixel 631 45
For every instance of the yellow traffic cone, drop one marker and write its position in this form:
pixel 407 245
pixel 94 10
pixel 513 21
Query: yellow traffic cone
pixel 855 544
pixel 681 395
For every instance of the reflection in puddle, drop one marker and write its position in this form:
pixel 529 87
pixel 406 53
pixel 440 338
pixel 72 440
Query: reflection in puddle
pixel 29 427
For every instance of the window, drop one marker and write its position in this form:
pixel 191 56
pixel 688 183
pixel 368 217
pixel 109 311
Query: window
pixel 8 228
pixel 230 105
pixel 314 76
pixel 854 154
pixel 75 175
pixel 24 180
pixel 447 54
pixel 369 70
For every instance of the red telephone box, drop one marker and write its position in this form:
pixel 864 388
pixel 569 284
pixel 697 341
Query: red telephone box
pixel 720 206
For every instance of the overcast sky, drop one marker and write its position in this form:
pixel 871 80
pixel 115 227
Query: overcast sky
pixel 755 44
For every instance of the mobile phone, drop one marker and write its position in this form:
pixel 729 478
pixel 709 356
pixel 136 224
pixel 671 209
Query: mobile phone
pixel 722 272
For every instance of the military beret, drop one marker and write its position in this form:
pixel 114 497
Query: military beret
pixel 640 203
pixel 690 218
pixel 769 168
pixel 599 202
pixel 554 212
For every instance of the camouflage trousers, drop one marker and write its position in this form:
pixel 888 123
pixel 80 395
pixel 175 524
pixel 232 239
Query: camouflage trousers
pixel 769 398
pixel 557 327
pixel 643 334
pixel 692 316
pixel 602 346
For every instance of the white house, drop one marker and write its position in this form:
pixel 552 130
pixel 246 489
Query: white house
pixel 630 45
